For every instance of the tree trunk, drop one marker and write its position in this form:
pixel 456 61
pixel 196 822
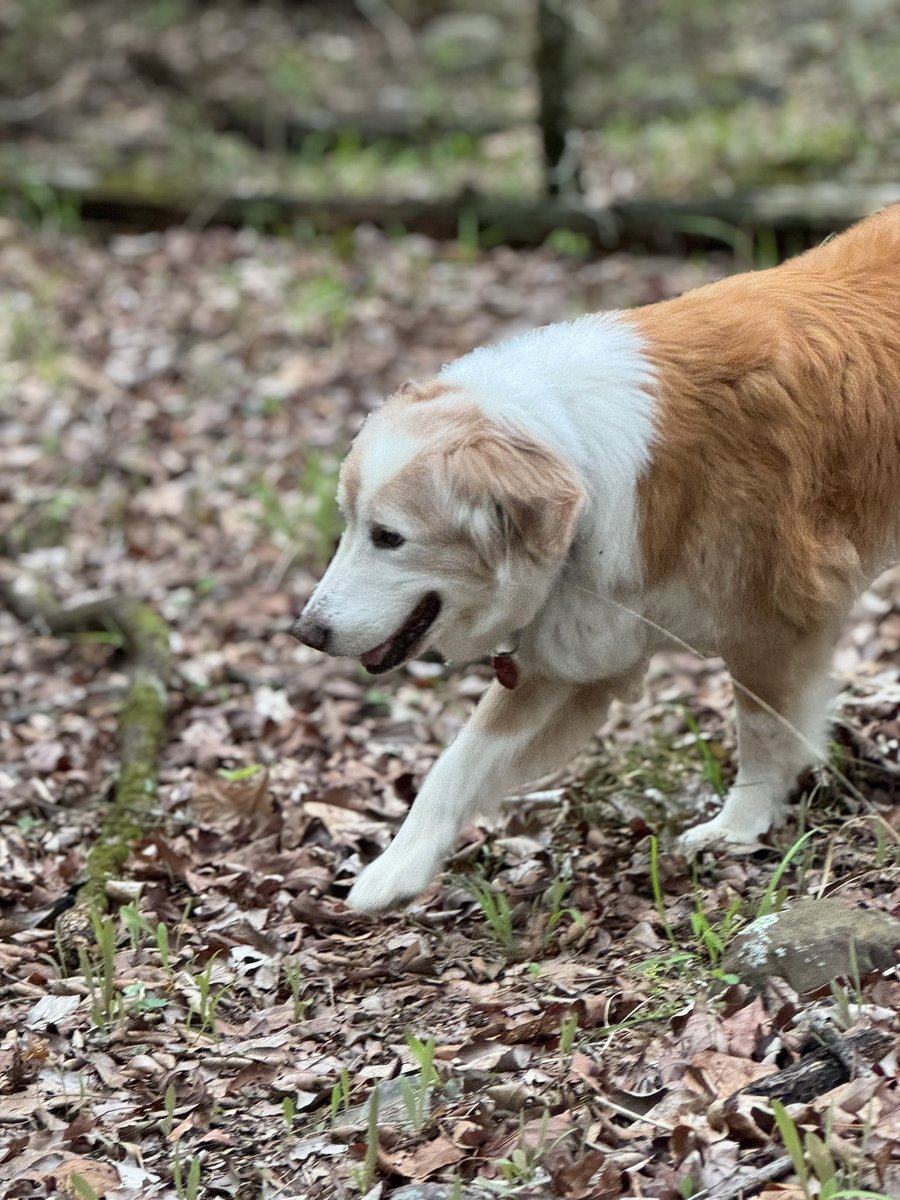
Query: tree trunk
pixel 553 64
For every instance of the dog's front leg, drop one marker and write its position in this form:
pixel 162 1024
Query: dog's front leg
pixel 512 738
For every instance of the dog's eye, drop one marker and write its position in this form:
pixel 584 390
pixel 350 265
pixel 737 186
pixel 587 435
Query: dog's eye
pixel 386 539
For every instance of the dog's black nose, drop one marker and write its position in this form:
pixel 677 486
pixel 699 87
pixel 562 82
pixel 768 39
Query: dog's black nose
pixel 311 632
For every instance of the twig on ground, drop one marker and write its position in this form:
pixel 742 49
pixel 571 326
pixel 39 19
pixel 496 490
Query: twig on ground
pixel 820 1071
pixel 745 1184
pixel 142 719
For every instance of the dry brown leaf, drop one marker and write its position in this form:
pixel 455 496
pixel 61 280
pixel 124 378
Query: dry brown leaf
pixel 218 801
pixel 423 1162
pixel 102 1177
pixel 720 1075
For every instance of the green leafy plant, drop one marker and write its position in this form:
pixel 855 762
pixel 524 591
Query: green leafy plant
pixel 468 234
pixel 659 898
pixel 497 912
pixel 423 1053
pixel 713 936
pixel 46 205
pixel 340 1094
pixel 208 1000
pixel 295 981
pixel 318 484
pixel 567 1031
pixel 712 768
pixel 523 1165
pixel 136 923
pixel 364 1176
pixel 278 514
pixel 163 14
pixel 771 900
pixel 186 1187
pixel 164 948
pixel 83 1188
pixel 417 1101
pixel 170 1100
pixel 239 774
pixel 569 243
pixel 136 998
pixel 817 1171
pixel 554 897
pixel 856 1194
pixel 305 519
pixel 99 975
pixel 790 1137
pixel 418 1090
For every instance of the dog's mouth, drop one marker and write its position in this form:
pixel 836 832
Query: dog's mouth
pixel 400 645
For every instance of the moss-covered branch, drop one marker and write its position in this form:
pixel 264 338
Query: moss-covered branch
pixel 794 217
pixel 142 720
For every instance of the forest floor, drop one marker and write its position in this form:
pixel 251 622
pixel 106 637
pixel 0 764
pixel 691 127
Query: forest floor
pixel 175 407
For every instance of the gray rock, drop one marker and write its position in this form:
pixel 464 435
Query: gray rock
pixel 812 942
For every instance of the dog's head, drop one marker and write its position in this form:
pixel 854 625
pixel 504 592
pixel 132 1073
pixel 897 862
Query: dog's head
pixel 456 528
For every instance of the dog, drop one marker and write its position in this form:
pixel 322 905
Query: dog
pixel 722 468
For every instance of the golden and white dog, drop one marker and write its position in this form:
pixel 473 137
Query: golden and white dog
pixel 724 466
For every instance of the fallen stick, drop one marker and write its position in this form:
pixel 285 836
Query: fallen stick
pixel 820 1071
pixel 795 216
pixel 745 1181
pixel 142 719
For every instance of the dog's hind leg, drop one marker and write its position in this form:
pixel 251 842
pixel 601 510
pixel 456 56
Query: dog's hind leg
pixel 512 738
pixel 782 690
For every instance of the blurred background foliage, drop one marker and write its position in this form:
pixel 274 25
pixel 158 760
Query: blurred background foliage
pixel 431 99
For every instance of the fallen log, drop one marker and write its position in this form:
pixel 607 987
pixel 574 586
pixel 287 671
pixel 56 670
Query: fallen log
pixel 142 720
pixel 794 216
pixel 820 1071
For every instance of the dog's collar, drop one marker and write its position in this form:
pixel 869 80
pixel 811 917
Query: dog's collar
pixel 506 669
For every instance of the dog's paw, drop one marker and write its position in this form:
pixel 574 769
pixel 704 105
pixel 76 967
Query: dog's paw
pixel 390 881
pixel 721 831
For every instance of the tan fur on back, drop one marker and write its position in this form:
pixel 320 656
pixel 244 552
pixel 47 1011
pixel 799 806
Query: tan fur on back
pixel 775 484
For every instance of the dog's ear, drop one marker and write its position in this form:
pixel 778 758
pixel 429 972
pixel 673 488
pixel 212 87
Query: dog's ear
pixel 523 495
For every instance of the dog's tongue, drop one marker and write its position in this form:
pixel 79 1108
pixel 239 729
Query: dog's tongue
pixel 374 658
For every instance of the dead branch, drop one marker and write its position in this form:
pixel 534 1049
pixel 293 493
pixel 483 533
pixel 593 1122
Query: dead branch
pixel 820 1071
pixel 745 1183
pixel 797 216
pixel 142 719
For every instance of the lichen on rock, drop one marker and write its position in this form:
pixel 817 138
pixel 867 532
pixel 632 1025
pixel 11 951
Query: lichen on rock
pixel 814 941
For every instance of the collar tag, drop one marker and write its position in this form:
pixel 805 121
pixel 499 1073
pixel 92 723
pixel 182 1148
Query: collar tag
pixel 506 669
